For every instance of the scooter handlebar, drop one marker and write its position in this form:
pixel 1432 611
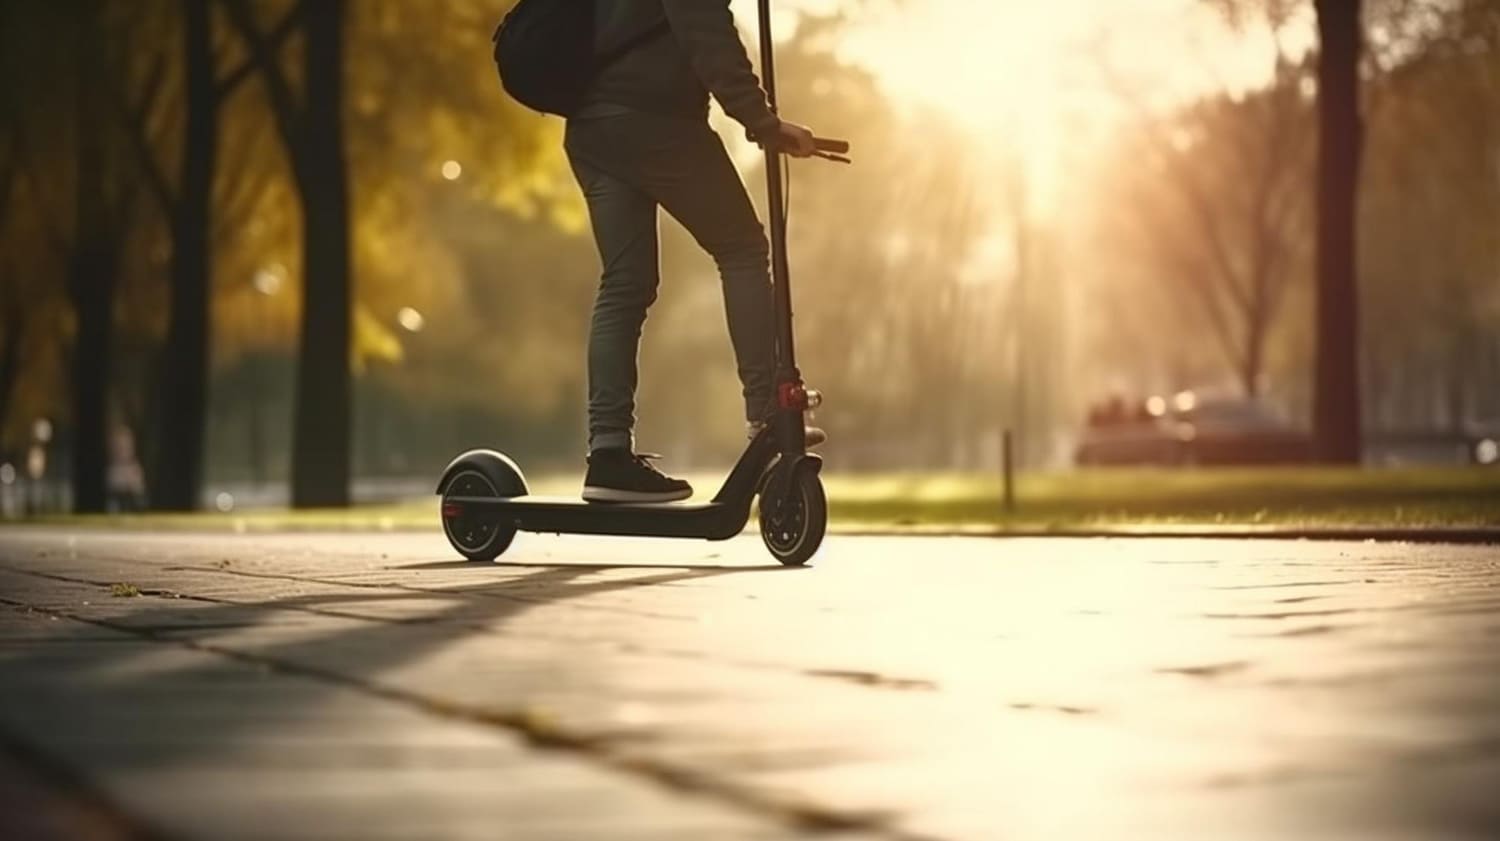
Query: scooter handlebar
pixel 825 147
pixel 828 144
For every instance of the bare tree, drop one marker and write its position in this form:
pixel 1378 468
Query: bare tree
pixel 12 324
pixel 76 167
pixel 12 306
pixel 1217 207
pixel 311 124
pixel 177 477
pixel 1429 209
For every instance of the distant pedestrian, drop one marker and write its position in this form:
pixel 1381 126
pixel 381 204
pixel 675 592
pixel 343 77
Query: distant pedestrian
pixel 125 480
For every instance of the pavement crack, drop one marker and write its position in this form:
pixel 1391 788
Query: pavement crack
pixel 406 588
pixel 1207 670
pixel 855 676
pixel 1280 585
pixel 1305 631
pixel 1287 614
pixel 1065 709
pixel 84 806
pixel 875 679
pixel 544 732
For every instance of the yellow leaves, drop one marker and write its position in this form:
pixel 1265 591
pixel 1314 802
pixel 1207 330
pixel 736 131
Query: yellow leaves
pixel 372 340
pixel 250 317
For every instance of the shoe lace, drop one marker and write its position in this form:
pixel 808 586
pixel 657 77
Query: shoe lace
pixel 643 460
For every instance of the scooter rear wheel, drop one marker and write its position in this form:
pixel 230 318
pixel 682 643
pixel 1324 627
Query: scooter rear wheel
pixel 793 527
pixel 478 539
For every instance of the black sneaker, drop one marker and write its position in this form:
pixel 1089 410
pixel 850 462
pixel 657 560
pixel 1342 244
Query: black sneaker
pixel 617 475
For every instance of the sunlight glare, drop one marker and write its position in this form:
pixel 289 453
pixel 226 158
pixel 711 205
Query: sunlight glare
pixel 411 320
pixel 1046 82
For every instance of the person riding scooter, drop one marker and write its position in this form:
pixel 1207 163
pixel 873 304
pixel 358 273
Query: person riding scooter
pixel 640 140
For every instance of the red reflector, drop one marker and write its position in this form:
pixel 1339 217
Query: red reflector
pixel 451 510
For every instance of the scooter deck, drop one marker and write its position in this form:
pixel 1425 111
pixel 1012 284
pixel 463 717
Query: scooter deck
pixel 716 520
pixel 554 501
pixel 719 519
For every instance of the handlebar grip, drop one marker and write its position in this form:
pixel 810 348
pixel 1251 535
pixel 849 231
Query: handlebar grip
pixel 828 144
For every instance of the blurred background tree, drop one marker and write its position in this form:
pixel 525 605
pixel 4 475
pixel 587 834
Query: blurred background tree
pixel 84 83
pixel 1216 208
pixel 184 263
pixel 1236 169
pixel 1430 261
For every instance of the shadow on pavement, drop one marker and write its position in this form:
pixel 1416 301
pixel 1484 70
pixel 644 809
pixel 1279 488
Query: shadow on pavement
pixel 257 688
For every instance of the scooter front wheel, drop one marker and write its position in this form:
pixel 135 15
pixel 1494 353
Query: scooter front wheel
pixel 793 527
pixel 476 537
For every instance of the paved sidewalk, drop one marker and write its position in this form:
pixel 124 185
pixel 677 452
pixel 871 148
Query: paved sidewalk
pixel 366 687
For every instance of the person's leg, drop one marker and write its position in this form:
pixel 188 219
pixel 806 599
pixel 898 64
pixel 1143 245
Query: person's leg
pixel 624 223
pixel 682 165
pixel 711 203
pixel 715 208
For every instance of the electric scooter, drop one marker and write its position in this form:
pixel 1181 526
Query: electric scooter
pixel 485 500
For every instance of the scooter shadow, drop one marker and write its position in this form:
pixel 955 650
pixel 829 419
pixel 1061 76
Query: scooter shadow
pixel 437 565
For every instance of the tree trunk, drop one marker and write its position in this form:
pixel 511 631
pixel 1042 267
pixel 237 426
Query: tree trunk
pixel 14 326
pixel 178 477
pixel 12 323
pixel 91 279
pixel 1250 373
pixel 1336 401
pixel 320 448
pixel 1459 362
pixel 1253 364
pixel 92 276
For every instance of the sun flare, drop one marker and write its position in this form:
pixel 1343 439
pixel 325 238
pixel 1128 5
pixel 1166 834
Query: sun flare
pixel 1041 84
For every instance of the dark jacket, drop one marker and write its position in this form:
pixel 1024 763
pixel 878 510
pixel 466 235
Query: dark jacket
pixel 674 71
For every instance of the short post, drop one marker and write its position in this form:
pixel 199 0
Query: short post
pixel 1007 457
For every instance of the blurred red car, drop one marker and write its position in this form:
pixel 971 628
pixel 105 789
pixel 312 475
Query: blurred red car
pixel 1189 430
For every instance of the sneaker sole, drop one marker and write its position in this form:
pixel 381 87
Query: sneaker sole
pixel 597 494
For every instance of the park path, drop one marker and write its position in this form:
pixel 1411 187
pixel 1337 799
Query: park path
pixel 366 686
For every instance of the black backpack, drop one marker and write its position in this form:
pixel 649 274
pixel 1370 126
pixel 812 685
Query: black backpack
pixel 544 50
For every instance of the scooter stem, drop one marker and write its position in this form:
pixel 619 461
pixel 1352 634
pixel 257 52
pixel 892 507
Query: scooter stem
pixel 788 422
pixel 786 356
